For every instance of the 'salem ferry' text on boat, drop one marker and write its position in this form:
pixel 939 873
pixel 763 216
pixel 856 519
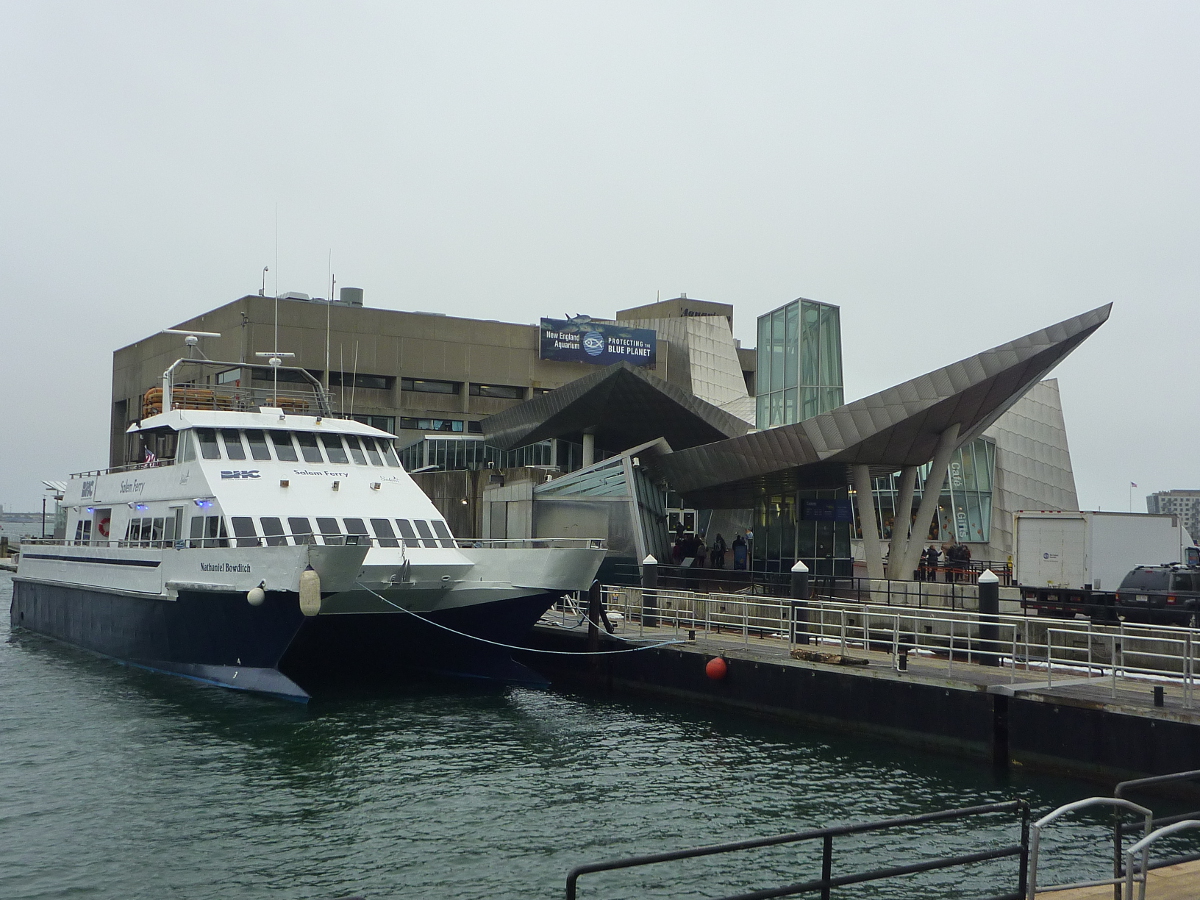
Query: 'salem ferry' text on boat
pixel 269 545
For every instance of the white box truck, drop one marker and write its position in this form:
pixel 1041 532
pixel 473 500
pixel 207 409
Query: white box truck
pixel 1064 561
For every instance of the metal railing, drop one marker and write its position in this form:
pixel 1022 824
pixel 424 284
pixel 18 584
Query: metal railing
pixel 1152 783
pixel 828 881
pixel 1124 655
pixel 533 544
pixel 1089 803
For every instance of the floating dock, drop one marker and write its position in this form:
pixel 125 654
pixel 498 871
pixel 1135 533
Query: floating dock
pixel 1064 697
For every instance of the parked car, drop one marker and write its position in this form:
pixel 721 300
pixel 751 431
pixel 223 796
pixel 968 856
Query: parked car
pixel 1166 594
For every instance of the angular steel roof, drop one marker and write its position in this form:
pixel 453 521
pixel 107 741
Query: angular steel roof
pixel 622 405
pixel 896 427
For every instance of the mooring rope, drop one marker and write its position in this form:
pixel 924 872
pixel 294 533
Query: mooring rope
pixel 475 637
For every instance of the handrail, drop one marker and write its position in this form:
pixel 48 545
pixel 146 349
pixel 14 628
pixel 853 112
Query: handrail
pixel 1035 848
pixel 827 881
pixel 1143 847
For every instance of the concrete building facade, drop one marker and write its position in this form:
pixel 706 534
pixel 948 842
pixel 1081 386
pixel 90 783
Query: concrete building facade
pixel 1182 503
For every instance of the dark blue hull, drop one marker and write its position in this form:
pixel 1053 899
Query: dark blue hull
pixel 274 648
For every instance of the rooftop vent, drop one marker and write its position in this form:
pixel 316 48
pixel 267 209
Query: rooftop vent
pixel 294 295
pixel 351 296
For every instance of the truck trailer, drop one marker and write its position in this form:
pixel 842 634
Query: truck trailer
pixel 1069 562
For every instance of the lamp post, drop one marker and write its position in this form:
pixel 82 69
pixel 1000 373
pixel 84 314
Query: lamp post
pixel 262 291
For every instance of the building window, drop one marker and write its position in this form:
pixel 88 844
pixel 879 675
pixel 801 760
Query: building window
pixel 372 382
pixel 429 386
pixel 383 423
pixel 290 376
pixel 451 425
pixel 502 391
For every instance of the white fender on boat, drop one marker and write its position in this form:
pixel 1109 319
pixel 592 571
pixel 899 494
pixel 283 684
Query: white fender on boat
pixel 310 592
pixel 255 596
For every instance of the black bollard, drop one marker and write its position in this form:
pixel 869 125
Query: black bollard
pixel 650 592
pixel 800 591
pixel 989 609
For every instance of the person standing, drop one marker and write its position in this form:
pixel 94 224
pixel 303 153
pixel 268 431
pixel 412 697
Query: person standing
pixel 717 553
pixel 739 552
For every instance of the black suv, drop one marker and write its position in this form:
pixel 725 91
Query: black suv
pixel 1167 594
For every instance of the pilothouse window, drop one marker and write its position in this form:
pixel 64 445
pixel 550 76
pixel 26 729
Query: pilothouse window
pixel 443 532
pixel 301 531
pixel 243 529
pixel 233 443
pixel 208 443
pixel 356 449
pixel 376 459
pixel 284 449
pixel 308 446
pixel 258 444
pixel 334 449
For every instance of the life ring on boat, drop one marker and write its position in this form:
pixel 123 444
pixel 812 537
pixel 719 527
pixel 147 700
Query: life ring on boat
pixel 103 526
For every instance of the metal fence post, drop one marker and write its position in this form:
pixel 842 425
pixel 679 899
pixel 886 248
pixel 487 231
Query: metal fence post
pixel 989 610
pixel 649 592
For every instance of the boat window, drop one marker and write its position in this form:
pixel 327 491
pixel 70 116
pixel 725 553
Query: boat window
pixel 356 526
pixel 233 443
pixel 444 533
pixel 308 446
pixel 258 443
pixel 87 531
pixel 301 531
pixel 208 443
pixel 215 534
pixel 243 530
pixel 427 539
pixel 79 531
pixel 390 454
pixel 174 525
pixel 132 532
pixel 156 532
pixel 410 536
pixel 284 449
pixel 372 452
pixel 356 449
pixel 383 531
pixel 187 452
pixel 334 449
pixel 273 529
pixel 329 530
pixel 197 531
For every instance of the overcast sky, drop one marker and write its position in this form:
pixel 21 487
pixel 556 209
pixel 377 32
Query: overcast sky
pixel 953 175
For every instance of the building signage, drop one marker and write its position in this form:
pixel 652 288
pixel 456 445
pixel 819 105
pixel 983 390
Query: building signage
pixel 826 511
pixel 581 340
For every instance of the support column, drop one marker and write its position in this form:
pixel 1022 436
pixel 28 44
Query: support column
pixel 864 500
pixel 929 499
pixel 589 449
pixel 900 523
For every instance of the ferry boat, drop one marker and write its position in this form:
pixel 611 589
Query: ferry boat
pixel 270 545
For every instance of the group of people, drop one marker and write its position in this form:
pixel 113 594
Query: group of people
pixel 703 556
pixel 957 562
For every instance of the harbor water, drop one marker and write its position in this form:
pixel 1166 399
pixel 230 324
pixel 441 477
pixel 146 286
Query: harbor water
pixel 120 783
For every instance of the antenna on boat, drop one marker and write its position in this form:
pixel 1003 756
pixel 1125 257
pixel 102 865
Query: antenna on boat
pixel 192 340
pixel 276 360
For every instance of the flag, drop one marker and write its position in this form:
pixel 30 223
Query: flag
pixel 1133 484
pixel 150 457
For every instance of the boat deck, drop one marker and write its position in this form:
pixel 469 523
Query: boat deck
pixel 1181 882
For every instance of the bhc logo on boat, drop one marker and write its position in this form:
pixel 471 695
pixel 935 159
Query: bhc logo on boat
pixel 240 473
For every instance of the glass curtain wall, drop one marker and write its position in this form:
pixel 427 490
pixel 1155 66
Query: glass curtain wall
pixel 782 534
pixel 799 363
pixel 964 513
pixel 452 453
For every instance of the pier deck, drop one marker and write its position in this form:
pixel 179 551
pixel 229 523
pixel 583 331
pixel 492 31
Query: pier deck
pixel 1106 727
pixel 1180 882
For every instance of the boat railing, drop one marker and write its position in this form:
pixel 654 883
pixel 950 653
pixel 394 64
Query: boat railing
pixel 534 544
pixel 192 543
pixel 128 467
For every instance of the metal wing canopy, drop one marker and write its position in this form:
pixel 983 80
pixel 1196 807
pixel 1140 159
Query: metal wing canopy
pixel 622 405
pixel 895 428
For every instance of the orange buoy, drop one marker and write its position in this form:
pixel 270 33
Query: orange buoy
pixel 716 668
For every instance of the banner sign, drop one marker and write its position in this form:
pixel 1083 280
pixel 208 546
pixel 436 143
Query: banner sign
pixel 826 511
pixel 596 343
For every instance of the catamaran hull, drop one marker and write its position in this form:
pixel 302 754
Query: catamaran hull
pixel 273 648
